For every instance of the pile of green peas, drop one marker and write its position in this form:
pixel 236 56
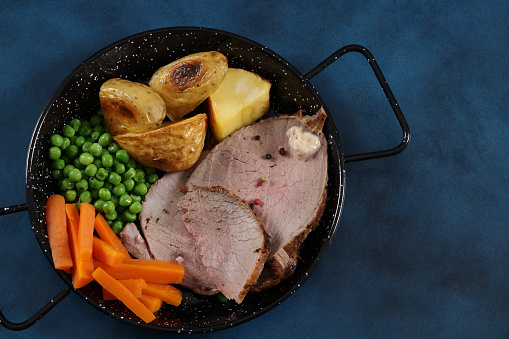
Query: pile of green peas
pixel 91 167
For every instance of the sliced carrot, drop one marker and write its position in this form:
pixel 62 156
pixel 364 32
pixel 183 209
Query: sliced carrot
pixel 106 233
pixel 166 293
pixel 123 294
pixel 82 269
pixel 134 285
pixel 57 232
pixel 86 230
pixel 156 271
pixel 152 303
pixel 107 253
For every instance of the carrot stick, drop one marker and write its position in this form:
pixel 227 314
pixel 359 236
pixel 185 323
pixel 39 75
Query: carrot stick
pixel 152 303
pixel 123 294
pixel 166 293
pixel 134 285
pixel 86 230
pixel 57 232
pixel 106 233
pixel 107 253
pixel 82 269
pixel 156 271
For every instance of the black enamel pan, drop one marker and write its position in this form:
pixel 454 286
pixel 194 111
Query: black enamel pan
pixel 136 58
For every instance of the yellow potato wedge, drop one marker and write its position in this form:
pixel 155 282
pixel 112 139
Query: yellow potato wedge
pixel 242 98
pixel 130 106
pixel 172 147
pixel 187 82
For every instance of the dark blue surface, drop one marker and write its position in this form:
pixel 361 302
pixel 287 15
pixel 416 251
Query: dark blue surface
pixel 422 248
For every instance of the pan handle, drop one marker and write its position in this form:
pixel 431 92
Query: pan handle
pixel 390 96
pixel 46 308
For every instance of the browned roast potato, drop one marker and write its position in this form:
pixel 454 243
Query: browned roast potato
pixel 172 147
pixel 130 106
pixel 187 82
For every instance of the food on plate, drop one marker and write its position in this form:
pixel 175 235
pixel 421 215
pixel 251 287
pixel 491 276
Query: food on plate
pixel 172 147
pixel 167 293
pixel 86 231
pixel 107 253
pixel 89 166
pixel 242 98
pixel 134 285
pixel 287 194
pixel 232 242
pixel 123 294
pixel 187 82
pixel 57 233
pixel 130 106
pixel 166 235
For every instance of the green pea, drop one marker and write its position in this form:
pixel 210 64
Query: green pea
pixel 96 183
pixel 140 174
pixel 98 205
pixel 75 174
pixel 86 158
pixel 75 124
pixel 149 170
pixel 96 149
pixel 54 153
pixel 136 198
pixel 108 186
pixel 67 169
pixel 76 163
pixel 125 200
pixel 113 147
pixel 111 216
pixel 80 141
pixel 118 190
pixel 66 143
pixel 91 170
pixel 130 164
pixel 114 178
pixel 129 185
pixel 135 207
pixel 58 164
pixel 98 163
pixel 114 200
pixel 108 207
pixel 153 178
pixel 107 160
pixel 122 156
pixel 105 140
pixel 85 130
pixel 73 139
pixel 68 131
pixel 65 159
pixel 94 136
pixel 96 120
pixel 86 196
pixel 57 174
pixel 129 174
pixel 102 174
pixel 222 298
pixel 140 189
pixel 72 151
pixel 67 184
pixel 104 194
pixel 99 129
pixel 139 180
pixel 82 185
pixel 120 168
pixel 127 216
pixel 70 195
pixel 117 226
pixel 56 140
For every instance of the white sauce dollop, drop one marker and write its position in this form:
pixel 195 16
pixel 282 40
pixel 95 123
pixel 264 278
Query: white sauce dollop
pixel 302 144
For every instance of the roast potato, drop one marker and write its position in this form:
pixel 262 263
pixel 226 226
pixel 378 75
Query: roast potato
pixel 172 147
pixel 130 106
pixel 187 82
pixel 242 98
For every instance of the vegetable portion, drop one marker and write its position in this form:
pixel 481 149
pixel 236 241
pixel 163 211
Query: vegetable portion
pixel 57 232
pixel 107 253
pixel 86 231
pixel 156 271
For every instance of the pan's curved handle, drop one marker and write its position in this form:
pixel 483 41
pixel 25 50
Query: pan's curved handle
pixel 46 308
pixel 385 86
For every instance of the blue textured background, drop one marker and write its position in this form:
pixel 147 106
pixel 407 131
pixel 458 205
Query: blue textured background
pixel 422 248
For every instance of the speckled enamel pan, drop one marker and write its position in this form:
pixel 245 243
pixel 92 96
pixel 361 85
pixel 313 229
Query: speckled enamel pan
pixel 136 58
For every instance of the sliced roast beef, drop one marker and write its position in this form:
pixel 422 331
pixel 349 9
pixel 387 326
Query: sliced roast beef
pixel 167 236
pixel 134 242
pixel 231 240
pixel 287 194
